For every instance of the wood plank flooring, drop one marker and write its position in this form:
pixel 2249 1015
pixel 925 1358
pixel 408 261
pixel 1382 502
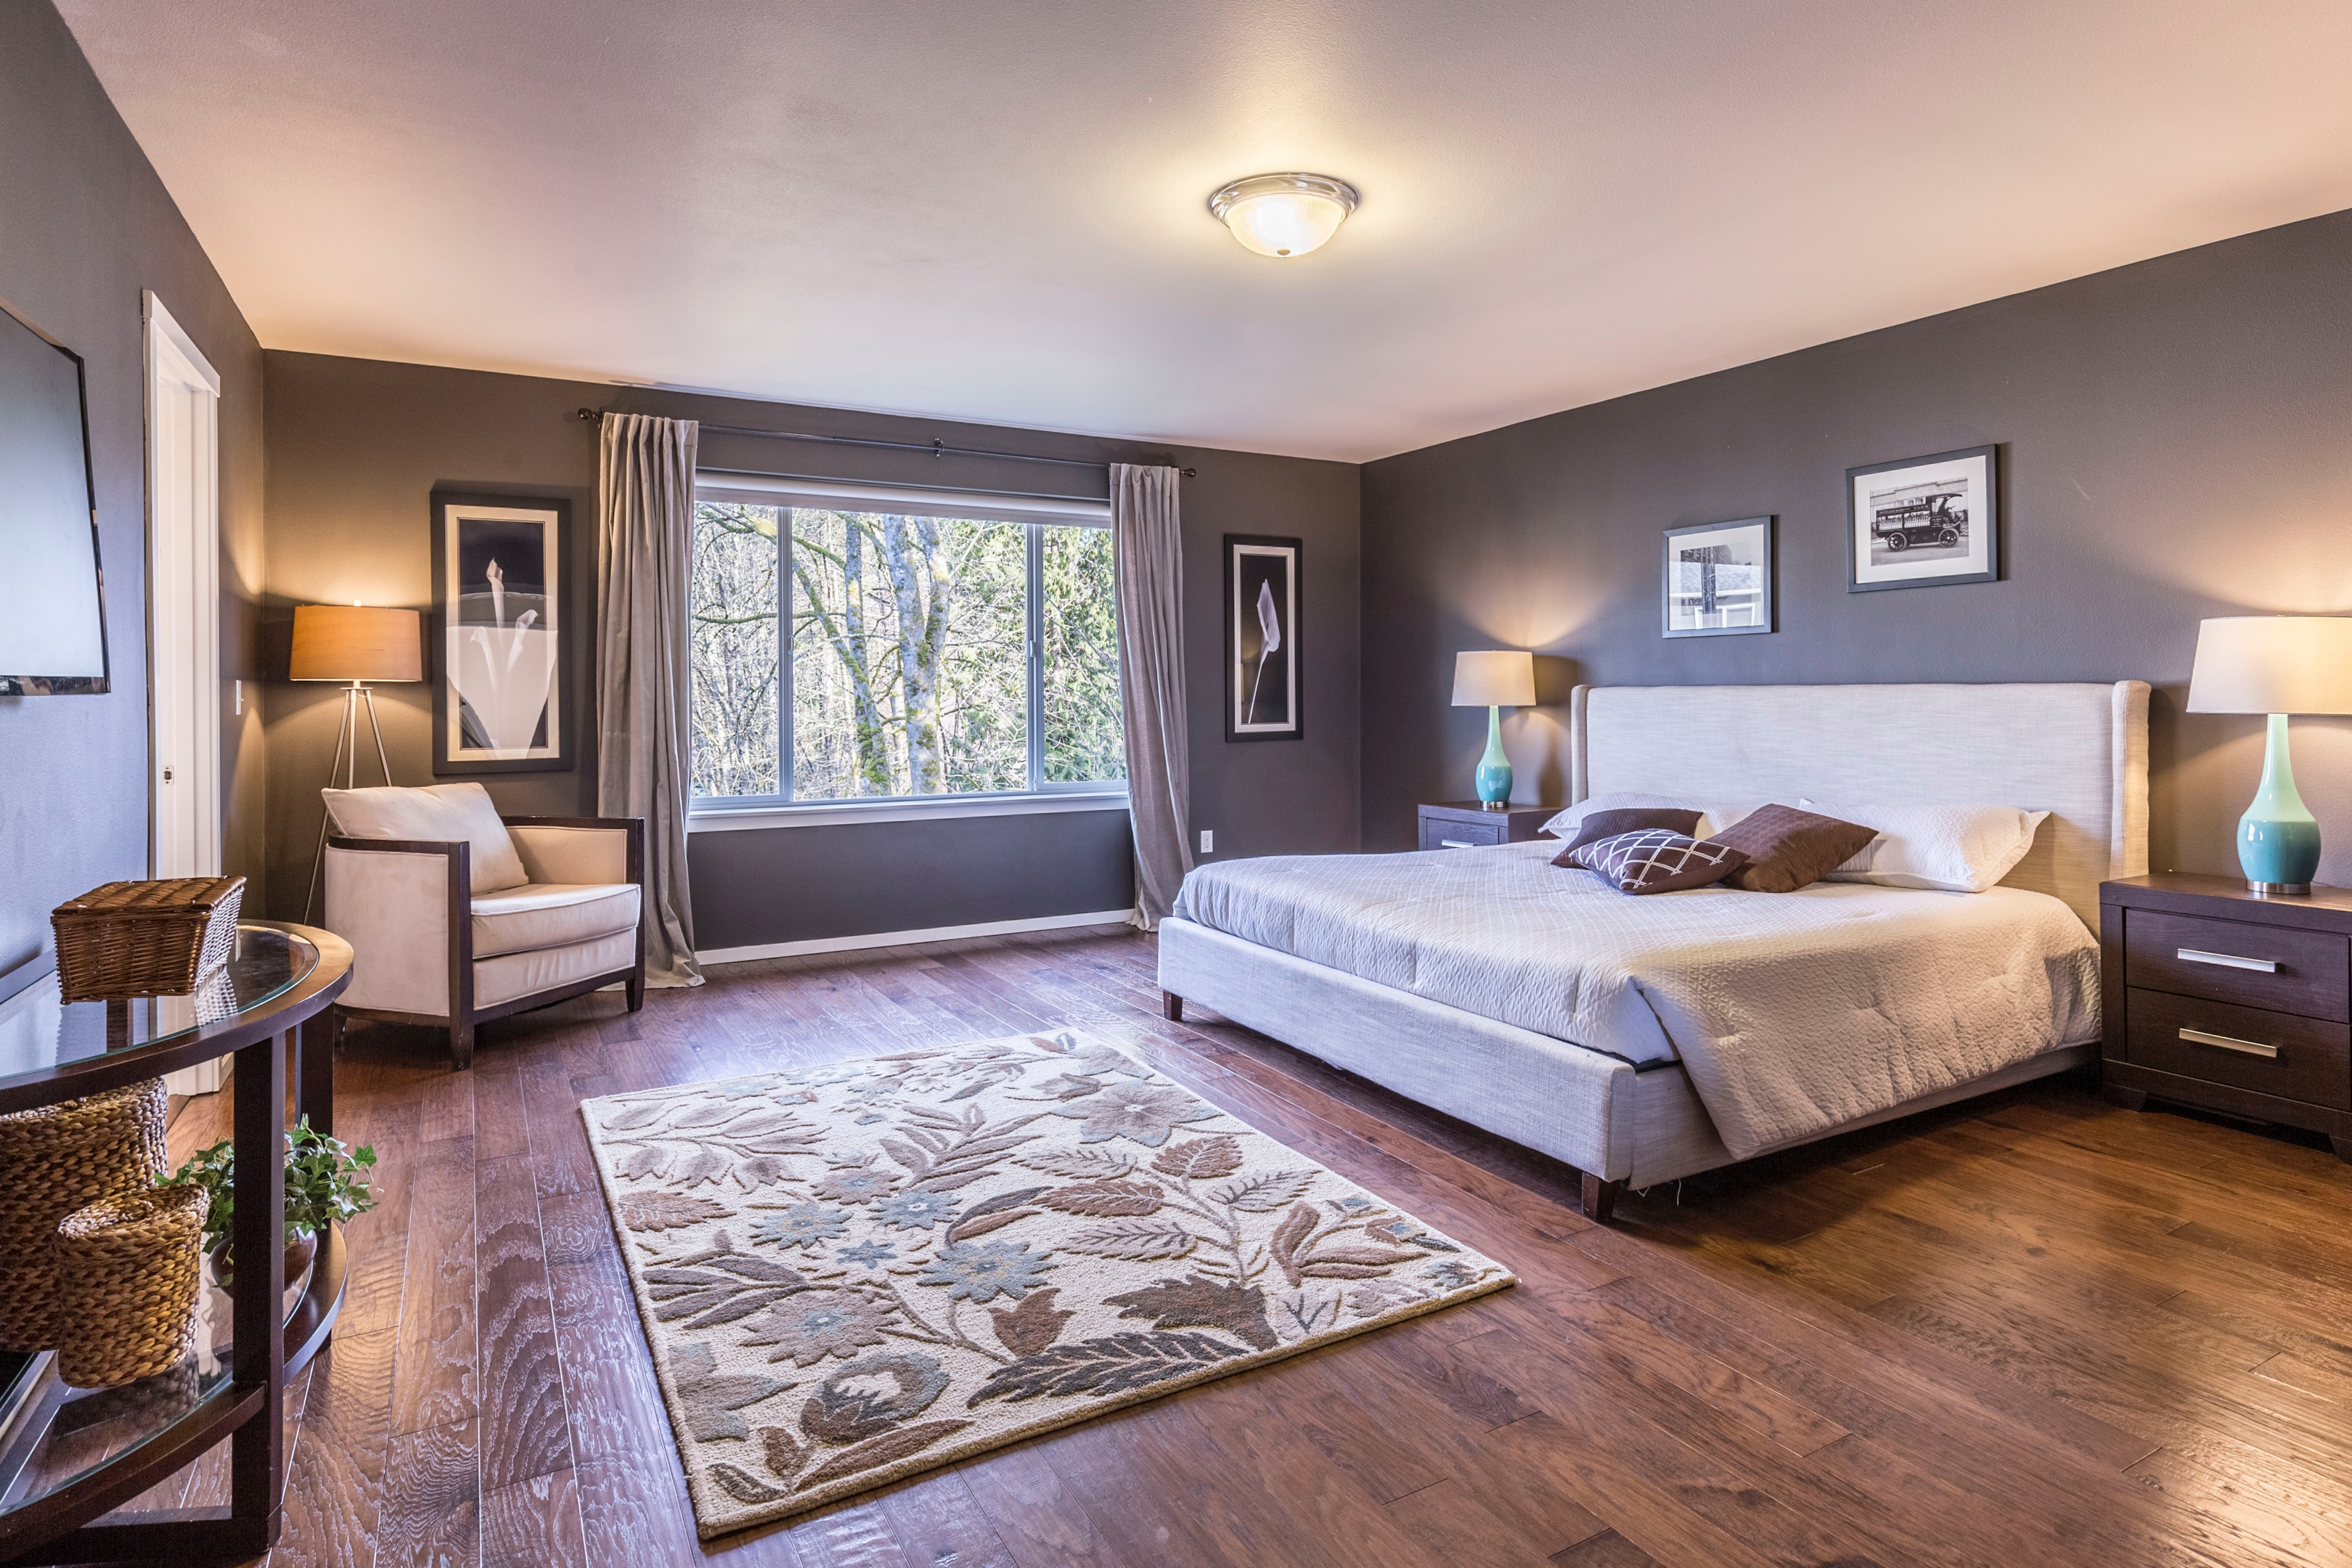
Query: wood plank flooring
pixel 2029 1329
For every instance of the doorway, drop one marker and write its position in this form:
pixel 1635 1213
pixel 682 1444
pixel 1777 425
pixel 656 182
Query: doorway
pixel 184 682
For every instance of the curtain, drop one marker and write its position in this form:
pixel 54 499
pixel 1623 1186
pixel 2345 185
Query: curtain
pixel 1148 549
pixel 644 699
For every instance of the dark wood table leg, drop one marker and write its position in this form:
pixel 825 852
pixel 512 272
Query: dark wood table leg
pixel 314 1067
pixel 257 1449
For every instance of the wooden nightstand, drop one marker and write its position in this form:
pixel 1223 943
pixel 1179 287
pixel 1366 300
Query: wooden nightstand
pixel 2217 999
pixel 1466 825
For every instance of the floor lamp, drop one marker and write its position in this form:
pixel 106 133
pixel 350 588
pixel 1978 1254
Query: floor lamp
pixel 348 642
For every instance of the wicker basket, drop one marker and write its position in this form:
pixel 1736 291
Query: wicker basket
pixel 128 1270
pixel 54 1161
pixel 145 939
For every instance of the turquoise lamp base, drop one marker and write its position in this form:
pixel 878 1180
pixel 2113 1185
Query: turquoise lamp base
pixel 1495 768
pixel 2278 838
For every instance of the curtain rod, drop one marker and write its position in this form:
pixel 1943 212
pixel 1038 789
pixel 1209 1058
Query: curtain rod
pixel 902 485
pixel 936 448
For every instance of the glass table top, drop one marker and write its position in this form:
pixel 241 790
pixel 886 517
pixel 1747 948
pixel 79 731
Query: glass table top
pixel 38 1030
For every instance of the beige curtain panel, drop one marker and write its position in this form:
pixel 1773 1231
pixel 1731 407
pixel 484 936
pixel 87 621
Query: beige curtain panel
pixel 644 699
pixel 1150 572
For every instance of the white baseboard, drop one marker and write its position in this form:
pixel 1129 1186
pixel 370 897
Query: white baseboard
pixel 903 938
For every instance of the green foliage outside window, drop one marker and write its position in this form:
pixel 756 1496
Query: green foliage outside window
pixel 910 654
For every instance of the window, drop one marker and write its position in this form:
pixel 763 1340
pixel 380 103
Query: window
pixel 893 654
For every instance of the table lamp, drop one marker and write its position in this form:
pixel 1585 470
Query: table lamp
pixel 1495 681
pixel 353 643
pixel 2274 665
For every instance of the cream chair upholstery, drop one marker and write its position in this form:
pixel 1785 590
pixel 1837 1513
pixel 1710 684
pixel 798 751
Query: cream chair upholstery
pixel 487 916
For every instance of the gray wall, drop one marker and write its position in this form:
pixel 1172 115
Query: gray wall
pixel 356 448
pixel 85 225
pixel 2177 443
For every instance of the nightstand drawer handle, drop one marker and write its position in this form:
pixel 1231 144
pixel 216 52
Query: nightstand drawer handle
pixel 2245 1048
pixel 1456 844
pixel 2228 961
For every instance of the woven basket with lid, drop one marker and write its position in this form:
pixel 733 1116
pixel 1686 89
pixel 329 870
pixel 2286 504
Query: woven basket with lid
pixel 145 939
pixel 53 1160
pixel 128 1270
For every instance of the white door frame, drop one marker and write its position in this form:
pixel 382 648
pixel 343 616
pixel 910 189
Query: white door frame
pixel 183 695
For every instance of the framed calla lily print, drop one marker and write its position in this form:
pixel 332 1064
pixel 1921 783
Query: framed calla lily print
pixel 501 639
pixel 1262 639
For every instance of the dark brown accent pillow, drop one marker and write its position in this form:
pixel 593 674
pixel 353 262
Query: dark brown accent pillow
pixel 1602 825
pixel 1788 850
pixel 1655 860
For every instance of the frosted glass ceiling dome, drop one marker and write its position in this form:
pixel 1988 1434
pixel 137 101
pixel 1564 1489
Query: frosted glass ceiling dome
pixel 1284 215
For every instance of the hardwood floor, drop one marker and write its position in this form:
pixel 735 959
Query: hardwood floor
pixel 2030 1330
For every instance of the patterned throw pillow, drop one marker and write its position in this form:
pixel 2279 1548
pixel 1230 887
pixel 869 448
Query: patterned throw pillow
pixel 1655 860
pixel 1626 819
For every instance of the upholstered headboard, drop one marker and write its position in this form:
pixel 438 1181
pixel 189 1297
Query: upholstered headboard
pixel 2077 750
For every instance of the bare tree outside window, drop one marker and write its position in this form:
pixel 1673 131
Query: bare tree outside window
pixel 911 654
pixel 733 602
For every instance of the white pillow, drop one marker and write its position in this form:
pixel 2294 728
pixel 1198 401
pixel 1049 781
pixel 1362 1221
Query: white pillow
pixel 1712 819
pixel 1950 849
pixel 439 813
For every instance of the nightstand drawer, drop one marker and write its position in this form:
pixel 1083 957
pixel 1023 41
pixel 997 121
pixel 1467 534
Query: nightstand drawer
pixel 2271 967
pixel 1436 833
pixel 2282 1054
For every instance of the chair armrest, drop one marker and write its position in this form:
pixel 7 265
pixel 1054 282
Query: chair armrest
pixel 407 908
pixel 580 848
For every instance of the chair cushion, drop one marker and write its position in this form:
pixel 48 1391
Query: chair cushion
pixel 513 975
pixel 540 915
pixel 439 813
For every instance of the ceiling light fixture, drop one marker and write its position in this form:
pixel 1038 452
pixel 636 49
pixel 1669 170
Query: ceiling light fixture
pixel 1284 215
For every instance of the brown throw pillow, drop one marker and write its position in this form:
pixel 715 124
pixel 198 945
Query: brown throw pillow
pixel 1788 848
pixel 1602 825
pixel 1655 860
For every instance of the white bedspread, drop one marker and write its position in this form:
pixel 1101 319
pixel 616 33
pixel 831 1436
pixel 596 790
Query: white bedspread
pixel 1792 1013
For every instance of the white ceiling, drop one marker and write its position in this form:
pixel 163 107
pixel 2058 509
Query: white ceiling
pixel 995 211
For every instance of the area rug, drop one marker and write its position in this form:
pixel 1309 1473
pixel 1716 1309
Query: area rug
pixel 852 1273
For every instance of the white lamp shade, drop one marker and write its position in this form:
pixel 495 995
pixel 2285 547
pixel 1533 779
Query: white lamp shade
pixel 1497 680
pixel 2273 663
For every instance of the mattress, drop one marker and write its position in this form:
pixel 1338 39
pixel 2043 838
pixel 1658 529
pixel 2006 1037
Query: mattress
pixel 1792 1013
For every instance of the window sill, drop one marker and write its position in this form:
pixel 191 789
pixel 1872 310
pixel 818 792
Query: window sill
pixel 736 819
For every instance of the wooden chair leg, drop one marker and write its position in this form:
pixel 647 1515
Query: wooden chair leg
pixel 461 1046
pixel 1171 1006
pixel 1600 1198
pixel 636 990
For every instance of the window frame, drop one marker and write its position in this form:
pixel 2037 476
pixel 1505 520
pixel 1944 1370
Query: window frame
pixel 1035 513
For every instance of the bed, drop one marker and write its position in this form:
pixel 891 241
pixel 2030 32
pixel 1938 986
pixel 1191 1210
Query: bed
pixel 1641 1040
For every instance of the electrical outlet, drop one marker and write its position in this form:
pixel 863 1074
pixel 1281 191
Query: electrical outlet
pixel 1208 842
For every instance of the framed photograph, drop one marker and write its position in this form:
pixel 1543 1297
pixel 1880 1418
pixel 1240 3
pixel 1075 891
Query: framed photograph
pixel 500 642
pixel 1718 579
pixel 1923 522
pixel 1262 664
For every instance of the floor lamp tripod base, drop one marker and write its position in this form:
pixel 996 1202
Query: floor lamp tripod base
pixel 347 758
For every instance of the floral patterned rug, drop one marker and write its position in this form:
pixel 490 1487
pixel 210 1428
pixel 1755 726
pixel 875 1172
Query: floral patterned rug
pixel 854 1272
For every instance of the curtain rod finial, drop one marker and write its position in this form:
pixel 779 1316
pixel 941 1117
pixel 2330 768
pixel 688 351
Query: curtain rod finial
pixel 590 415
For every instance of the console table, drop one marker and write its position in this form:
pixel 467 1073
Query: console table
pixel 68 1456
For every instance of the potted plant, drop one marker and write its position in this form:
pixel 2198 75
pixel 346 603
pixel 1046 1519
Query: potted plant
pixel 325 1184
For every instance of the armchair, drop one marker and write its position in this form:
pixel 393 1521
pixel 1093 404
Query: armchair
pixel 437 941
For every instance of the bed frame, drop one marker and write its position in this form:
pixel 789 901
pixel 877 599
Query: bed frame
pixel 2079 751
